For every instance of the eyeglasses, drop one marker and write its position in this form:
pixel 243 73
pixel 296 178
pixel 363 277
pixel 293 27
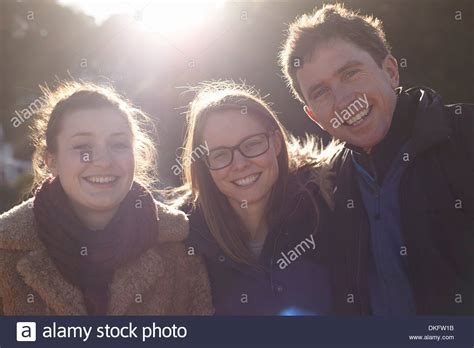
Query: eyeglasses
pixel 250 147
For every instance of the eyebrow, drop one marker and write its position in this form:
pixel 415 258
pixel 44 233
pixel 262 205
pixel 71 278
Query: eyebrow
pixel 238 144
pixel 119 134
pixel 350 64
pixel 89 134
pixel 82 134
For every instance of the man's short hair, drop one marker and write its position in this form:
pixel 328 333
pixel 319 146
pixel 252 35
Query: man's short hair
pixel 330 22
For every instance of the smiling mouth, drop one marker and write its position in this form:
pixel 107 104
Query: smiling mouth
pixel 358 118
pixel 101 179
pixel 247 181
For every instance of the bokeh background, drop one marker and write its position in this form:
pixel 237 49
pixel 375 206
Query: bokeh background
pixel 151 50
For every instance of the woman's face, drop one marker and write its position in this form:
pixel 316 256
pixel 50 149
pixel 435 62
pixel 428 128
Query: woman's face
pixel 245 181
pixel 95 158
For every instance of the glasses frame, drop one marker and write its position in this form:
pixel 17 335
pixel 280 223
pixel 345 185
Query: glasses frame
pixel 237 147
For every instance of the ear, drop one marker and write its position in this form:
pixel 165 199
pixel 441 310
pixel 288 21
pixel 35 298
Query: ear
pixel 390 66
pixel 310 113
pixel 51 163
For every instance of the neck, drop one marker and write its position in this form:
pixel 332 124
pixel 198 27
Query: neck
pixel 93 219
pixel 253 218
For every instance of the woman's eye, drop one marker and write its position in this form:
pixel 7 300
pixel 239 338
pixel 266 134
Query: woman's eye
pixel 253 143
pixel 82 147
pixel 217 155
pixel 121 146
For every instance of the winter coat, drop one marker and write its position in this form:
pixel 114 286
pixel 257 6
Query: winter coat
pixel 164 280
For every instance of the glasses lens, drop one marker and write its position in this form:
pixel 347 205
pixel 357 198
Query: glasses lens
pixel 219 158
pixel 255 145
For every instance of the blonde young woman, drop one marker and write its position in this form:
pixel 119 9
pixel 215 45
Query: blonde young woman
pixel 257 203
pixel 92 240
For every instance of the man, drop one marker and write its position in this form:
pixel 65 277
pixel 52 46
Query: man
pixel 403 236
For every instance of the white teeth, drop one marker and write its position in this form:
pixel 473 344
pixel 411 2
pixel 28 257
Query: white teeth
pixel 101 179
pixel 354 120
pixel 247 180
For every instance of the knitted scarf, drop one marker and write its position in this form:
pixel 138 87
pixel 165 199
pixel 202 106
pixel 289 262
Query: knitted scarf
pixel 87 258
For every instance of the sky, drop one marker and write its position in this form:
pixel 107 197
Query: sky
pixel 152 15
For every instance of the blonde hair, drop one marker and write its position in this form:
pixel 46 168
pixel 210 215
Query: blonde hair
pixel 72 95
pixel 200 190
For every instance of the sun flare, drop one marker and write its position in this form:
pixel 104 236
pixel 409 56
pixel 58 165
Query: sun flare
pixel 162 16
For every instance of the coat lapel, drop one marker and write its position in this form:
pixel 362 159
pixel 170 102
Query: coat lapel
pixel 41 275
pixel 134 280
pixel 18 232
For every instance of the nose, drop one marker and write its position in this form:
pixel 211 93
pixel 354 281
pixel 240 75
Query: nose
pixel 240 162
pixel 102 157
pixel 342 97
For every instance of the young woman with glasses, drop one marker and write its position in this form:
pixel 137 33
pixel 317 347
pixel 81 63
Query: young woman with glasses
pixel 257 201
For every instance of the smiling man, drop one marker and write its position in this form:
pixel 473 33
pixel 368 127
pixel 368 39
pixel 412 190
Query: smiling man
pixel 403 228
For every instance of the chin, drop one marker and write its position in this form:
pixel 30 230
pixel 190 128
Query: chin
pixel 366 143
pixel 253 198
pixel 102 204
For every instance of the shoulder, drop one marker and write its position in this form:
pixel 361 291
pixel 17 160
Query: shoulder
pixel 200 238
pixel 189 274
pixel 462 117
pixel 184 260
pixel 465 110
pixel 173 223
pixel 456 119
pixel 17 228
pixel 316 179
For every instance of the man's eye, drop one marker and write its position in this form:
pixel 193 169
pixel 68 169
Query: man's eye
pixel 319 93
pixel 349 73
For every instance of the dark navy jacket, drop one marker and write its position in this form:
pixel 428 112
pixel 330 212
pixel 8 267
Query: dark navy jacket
pixel 293 281
pixel 436 202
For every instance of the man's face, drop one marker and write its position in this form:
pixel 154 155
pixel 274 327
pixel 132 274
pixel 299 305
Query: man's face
pixel 348 94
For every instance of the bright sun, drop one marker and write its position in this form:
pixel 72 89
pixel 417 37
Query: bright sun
pixel 164 16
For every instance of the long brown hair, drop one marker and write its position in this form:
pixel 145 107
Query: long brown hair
pixel 198 186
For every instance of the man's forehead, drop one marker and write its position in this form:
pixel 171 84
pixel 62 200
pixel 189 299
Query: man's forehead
pixel 334 54
pixel 327 59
